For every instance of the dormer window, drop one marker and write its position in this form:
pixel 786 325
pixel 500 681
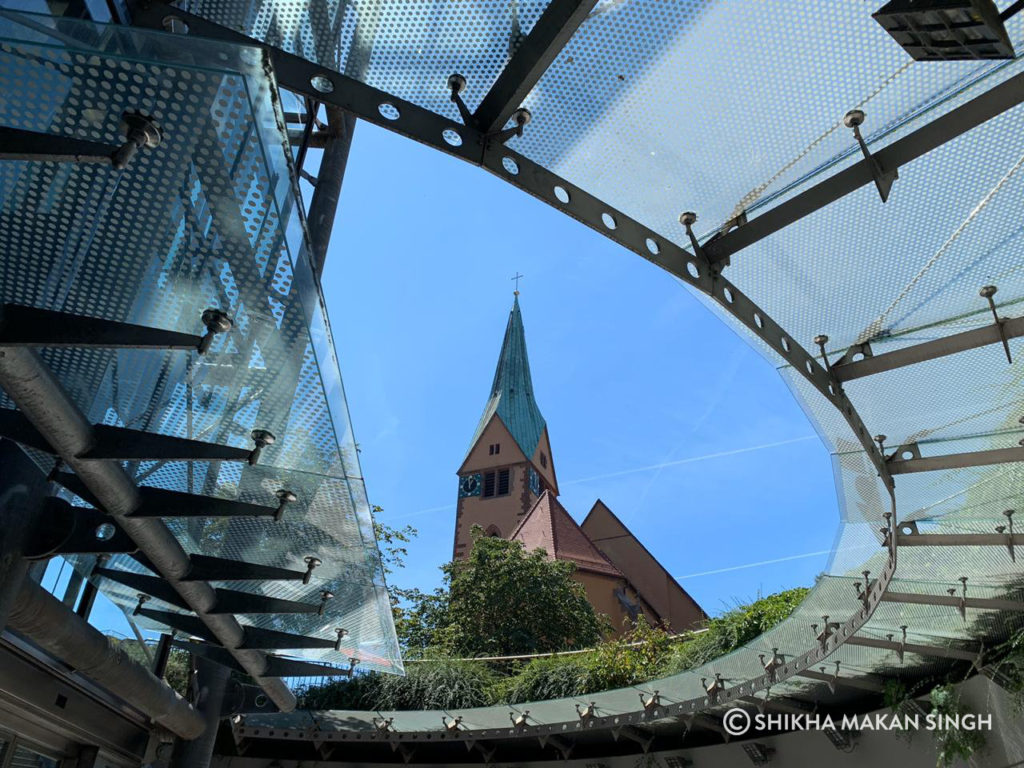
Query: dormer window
pixel 494 449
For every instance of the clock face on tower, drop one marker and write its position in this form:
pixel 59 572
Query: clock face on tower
pixel 470 485
pixel 534 482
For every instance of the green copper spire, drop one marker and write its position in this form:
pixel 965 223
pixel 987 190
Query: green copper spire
pixel 512 390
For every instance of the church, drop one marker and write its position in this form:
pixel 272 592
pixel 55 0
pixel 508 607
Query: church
pixel 508 486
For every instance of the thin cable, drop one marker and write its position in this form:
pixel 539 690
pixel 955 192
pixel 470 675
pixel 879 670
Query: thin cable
pixel 873 329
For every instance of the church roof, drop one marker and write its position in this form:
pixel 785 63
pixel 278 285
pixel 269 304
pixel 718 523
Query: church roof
pixel 549 527
pixel 512 391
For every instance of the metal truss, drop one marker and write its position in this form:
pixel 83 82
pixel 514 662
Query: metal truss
pixel 848 369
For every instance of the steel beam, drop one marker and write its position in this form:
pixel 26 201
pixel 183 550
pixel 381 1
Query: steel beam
pixel 123 444
pixel 255 638
pixel 954 601
pixel 323 208
pixel 530 61
pixel 281 667
pixel 36 391
pixel 19 144
pixel 61 529
pixel 956 460
pixel 921 650
pixel 958 540
pixel 34 327
pixel 206 568
pixel 16 428
pixel 980 109
pixel 929 350
pixel 228 601
pixel 159 502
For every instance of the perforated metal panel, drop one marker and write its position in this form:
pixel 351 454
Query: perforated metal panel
pixel 207 219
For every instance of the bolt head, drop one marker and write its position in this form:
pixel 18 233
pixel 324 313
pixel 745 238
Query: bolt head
pixel 326 595
pixel 881 438
pixel 341 632
pixel 854 118
pixel 987 291
pixel 263 437
pixel 1008 513
pixel 522 116
pixel 687 218
pixel 141 128
pixel 285 497
pixel 216 321
pixel 821 339
pixel 456 84
pixel 313 562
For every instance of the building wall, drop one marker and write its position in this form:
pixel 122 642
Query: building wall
pixel 600 589
pixel 502 512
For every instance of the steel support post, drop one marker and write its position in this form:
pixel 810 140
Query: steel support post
pixel 324 205
pixel 213 683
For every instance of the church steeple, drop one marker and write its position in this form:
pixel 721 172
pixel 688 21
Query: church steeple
pixel 512 390
pixel 509 464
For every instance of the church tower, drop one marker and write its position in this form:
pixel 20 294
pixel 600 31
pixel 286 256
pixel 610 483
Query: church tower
pixel 509 463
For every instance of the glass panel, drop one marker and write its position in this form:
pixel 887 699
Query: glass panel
pixel 200 221
pixel 407 49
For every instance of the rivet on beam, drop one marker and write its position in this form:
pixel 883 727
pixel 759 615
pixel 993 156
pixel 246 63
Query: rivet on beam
pixel 284 498
pixel 821 340
pixel 141 131
pixel 342 634
pixel 324 597
pixel 216 321
pixel 143 599
pixel 311 564
pixel 883 180
pixel 987 292
pixel 262 438
pixel 519 720
pixel 1007 530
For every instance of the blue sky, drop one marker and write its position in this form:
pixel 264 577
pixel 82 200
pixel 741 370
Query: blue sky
pixel 652 403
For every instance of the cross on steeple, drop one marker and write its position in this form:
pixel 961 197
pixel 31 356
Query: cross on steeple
pixel 517 277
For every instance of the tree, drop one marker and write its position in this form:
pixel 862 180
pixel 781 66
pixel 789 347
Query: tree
pixel 504 600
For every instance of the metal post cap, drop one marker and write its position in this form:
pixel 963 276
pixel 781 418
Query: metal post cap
pixel 217 321
pixel 141 128
pixel 263 437
pixel 987 291
pixel 688 218
pixel 522 116
pixel 821 339
pixel 312 562
pixel 456 84
pixel 854 118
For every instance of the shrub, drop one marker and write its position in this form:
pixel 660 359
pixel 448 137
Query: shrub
pixel 731 630
pixel 952 744
pixel 435 684
pixel 551 678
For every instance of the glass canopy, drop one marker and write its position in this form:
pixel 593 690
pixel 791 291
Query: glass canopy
pixel 206 219
pixel 729 110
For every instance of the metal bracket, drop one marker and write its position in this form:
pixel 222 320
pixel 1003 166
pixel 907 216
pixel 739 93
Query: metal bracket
pixel 987 292
pixel 587 713
pixel 62 529
pixel 902 647
pixel 123 444
pixel 899 465
pixel 883 179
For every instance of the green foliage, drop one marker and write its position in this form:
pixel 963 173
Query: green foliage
pixel 178 666
pixel 554 677
pixel 504 600
pixel 952 744
pixel 643 654
pixel 732 629
pixel 1010 669
pixel 895 695
pixel 434 684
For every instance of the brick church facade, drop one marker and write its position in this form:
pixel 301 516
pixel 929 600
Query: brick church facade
pixel 508 486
